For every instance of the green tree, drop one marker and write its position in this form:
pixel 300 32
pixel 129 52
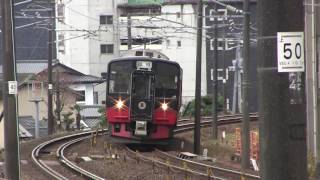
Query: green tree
pixel 206 106
pixel 68 119
pixel 102 118
pixel 77 108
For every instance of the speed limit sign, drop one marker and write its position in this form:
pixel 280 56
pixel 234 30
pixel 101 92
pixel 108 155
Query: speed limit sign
pixel 290 51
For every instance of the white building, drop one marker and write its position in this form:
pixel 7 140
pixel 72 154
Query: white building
pixel 176 28
pixel 180 44
pixel 87 34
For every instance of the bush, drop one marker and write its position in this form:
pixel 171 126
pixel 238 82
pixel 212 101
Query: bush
pixel 68 120
pixel 206 106
pixel 219 150
pixel 102 118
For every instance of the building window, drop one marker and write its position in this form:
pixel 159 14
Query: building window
pixel 139 53
pixel 104 75
pixel 81 96
pixel 95 97
pixel 220 44
pixel 149 54
pixel 230 44
pixel 106 48
pixel 179 44
pixel 61 45
pixel 167 43
pixel 60 10
pixel 221 13
pixel 106 19
pixel 178 15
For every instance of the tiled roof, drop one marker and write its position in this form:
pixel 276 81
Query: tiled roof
pixel 90 111
pixel 90 115
pixel 92 122
pixel 23 133
pixel 28 123
pixel 169 2
pixel 88 79
pixel 29 68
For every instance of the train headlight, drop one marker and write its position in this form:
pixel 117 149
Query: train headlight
pixel 119 104
pixel 164 106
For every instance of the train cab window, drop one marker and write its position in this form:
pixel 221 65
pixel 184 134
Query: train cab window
pixel 141 86
pixel 167 80
pixel 119 78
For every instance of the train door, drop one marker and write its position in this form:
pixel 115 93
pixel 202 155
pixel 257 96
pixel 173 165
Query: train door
pixel 142 100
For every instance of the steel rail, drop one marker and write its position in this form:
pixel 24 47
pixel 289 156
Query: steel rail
pixel 151 160
pixel 248 175
pixel 71 165
pixel 35 154
pixel 220 116
pixel 222 121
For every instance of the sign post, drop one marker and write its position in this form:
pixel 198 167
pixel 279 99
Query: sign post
pixel 290 51
pixel 35 94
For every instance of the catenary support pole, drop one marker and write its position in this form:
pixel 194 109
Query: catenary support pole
pixel 58 91
pixel 245 134
pixel 129 31
pixel 215 80
pixel 235 64
pixel 198 82
pixel 281 113
pixel 36 129
pixel 224 82
pixel 11 136
pixel 50 85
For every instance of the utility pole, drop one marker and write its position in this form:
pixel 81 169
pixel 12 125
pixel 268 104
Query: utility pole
pixel 235 64
pixel 129 31
pixel 281 114
pixel 10 85
pixel 58 105
pixel 50 86
pixel 224 81
pixel 215 80
pixel 197 117
pixel 245 134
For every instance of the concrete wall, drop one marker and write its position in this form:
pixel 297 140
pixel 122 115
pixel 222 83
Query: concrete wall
pixel 186 54
pixel 82 45
pixel 74 22
pixel 88 88
pixel 27 108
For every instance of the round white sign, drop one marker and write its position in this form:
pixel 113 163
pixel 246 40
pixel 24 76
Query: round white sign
pixel 142 105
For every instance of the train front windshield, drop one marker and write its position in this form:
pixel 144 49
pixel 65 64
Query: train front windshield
pixel 166 81
pixel 119 78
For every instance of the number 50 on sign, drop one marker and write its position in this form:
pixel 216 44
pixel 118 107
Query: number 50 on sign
pixel 290 51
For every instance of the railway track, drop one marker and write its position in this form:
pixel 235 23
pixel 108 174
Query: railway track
pixel 225 173
pixel 196 169
pixel 171 168
pixel 188 125
pixel 53 151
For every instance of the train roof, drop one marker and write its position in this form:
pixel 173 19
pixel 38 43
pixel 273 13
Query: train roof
pixel 138 58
